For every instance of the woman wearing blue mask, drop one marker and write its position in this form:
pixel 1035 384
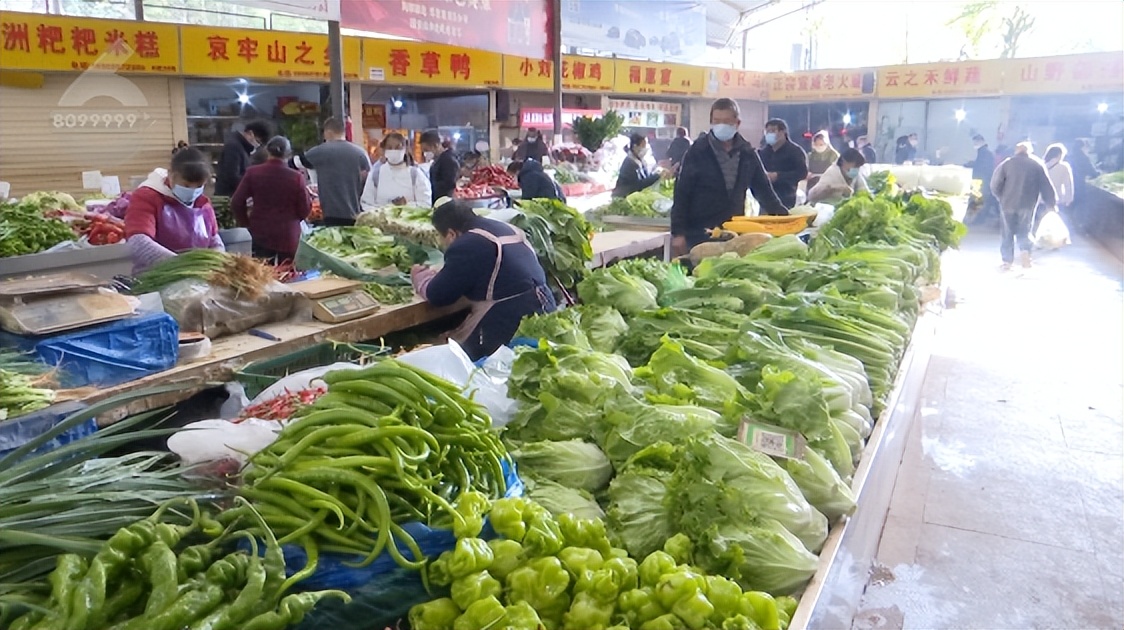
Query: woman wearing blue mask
pixel 169 214
pixel 840 180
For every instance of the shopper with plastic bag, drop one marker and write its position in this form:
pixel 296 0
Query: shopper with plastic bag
pixel 1018 183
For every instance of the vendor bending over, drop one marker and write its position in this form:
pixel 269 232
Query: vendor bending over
pixel 169 214
pixel 492 265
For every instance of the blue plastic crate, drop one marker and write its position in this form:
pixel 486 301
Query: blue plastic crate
pixel 114 353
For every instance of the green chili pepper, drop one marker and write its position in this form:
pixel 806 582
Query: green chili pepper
pixel 313 553
pixel 126 593
pixel 194 560
pixel 69 569
pixel 88 597
pixel 242 608
pixel 292 610
pixel 160 564
pixel 192 605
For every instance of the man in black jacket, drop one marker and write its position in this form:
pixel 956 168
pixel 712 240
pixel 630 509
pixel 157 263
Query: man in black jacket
pixel 534 183
pixel 716 173
pixel 235 158
pixel 982 169
pixel 785 163
pixel 678 148
pixel 445 169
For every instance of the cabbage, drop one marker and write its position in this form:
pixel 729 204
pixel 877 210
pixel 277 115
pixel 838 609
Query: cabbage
pixel 560 327
pixel 724 479
pixel 678 378
pixel 559 500
pixel 611 286
pixel 630 425
pixel 572 463
pixel 638 519
pixel 603 325
pixel 821 485
pixel 759 554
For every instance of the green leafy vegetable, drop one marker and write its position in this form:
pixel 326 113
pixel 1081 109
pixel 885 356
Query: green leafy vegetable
pixel 572 463
pixel 615 287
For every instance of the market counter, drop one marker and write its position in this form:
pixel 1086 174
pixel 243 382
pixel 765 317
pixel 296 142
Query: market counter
pixel 609 247
pixel 229 354
pixel 833 595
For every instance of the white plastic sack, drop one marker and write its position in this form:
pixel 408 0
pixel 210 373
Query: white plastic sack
pixel 298 381
pixel 824 212
pixel 486 385
pixel 1052 232
pixel 213 440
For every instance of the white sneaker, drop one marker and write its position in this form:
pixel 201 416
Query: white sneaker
pixel 1005 266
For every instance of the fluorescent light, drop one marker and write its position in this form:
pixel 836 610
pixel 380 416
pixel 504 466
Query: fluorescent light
pixel 1102 108
pixel 847 118
pixel 457 136
pixel 960 115
pixel 397 103
pixel 244 98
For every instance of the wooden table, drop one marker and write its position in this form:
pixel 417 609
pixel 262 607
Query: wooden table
pixel 610 246
pixel 229 354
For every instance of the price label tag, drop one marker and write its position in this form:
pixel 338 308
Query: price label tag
pixel 772 440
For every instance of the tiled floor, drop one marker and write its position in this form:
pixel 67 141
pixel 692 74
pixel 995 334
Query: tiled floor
pixel 1008 510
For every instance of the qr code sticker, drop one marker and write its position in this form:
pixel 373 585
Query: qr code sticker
pixel 771 443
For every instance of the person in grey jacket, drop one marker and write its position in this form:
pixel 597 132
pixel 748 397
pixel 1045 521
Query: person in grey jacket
pixel 1018 183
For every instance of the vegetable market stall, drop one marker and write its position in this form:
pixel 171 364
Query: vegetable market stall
pixel 228 354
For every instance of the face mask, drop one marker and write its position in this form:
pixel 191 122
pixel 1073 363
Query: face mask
pixel 532 139
pixel 428 155
pixel 395 156
pixel 641 152
pixel 819 149
pixel 852 172
pixel 724 132
pixel 913 143
pixel 186 195
pixel 770 138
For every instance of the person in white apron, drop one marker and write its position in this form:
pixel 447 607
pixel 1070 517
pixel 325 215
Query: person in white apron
pixel 491 265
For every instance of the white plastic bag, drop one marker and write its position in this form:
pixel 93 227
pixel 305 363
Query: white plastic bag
pixel 1052 232
pixel 305 379
pixel 213 440
pixel 486 385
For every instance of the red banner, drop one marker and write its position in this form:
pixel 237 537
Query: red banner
pixel 515 27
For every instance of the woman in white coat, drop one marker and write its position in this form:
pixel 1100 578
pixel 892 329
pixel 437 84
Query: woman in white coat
pixel 1061 176
pixel 394 180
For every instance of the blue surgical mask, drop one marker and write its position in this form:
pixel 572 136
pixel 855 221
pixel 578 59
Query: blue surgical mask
pixel 770 138
pixel 853 172
pixel 724 132
pixel 186 194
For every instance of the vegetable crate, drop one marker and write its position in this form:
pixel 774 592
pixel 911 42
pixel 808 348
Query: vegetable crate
pixel 257 376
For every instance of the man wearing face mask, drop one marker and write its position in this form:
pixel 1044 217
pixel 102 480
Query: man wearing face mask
pixel 785 163
pixel 532 148
pixel 445 169
pixel 395 180
pixel 236 156
pixel 634 175
pixel 716 173
pixel 169 214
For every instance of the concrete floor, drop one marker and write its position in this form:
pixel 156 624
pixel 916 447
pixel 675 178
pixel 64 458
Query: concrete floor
pixel 1008 511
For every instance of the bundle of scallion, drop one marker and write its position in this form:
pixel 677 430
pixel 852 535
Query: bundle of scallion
pixel 71 499
pixel 243 274
pixel 21 394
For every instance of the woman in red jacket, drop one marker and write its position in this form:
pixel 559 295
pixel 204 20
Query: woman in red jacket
pixel 169 214
pixel 280 203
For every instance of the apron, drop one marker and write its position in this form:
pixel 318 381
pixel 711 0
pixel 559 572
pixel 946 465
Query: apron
pixel 180 228
pixel 479 309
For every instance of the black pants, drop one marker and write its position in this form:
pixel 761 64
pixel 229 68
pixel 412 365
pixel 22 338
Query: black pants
pixel 271 255
pixel 337 222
